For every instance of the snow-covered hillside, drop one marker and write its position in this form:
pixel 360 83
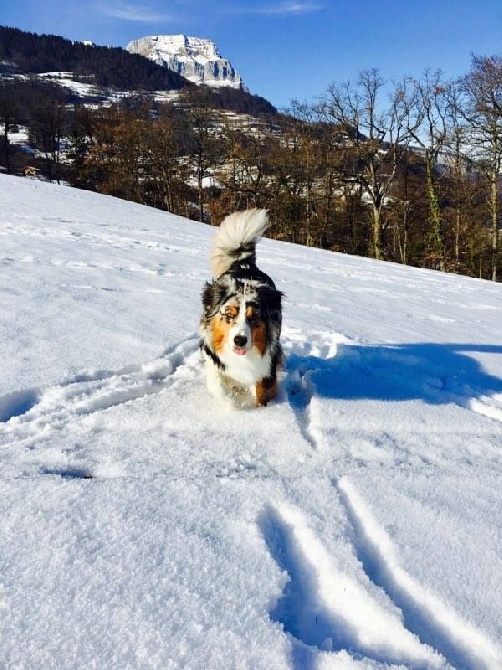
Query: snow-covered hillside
pixel 353 523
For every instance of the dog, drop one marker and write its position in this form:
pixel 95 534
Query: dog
pixel 242 314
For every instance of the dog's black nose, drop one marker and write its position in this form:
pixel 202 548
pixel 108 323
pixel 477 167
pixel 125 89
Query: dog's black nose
pixel 240 341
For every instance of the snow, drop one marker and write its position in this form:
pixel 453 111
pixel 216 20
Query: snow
pixel 354 523
pixel 184 48
pixel 69 81
pixel 194 58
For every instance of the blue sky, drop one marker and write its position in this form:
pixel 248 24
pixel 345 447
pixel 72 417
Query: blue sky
pixel 288 49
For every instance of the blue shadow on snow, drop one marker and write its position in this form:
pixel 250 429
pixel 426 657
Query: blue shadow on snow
pixel 433 373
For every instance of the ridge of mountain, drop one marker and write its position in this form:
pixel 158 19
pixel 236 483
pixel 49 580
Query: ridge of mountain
pixel 23 52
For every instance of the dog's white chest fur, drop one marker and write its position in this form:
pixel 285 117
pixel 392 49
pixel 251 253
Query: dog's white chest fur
pixel 248 369
pixel 239 374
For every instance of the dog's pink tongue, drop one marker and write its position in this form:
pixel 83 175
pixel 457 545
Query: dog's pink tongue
pixel 240 352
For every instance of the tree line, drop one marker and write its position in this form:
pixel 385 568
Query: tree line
pixel 406 171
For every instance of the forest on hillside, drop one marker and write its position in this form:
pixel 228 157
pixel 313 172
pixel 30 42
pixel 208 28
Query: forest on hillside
pixel 406 171
pixel 26 52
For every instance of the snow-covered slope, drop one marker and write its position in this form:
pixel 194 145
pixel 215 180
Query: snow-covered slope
pixel 194 58
pixel 354 523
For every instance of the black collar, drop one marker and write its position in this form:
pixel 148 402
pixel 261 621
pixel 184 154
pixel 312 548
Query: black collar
pixel 214 357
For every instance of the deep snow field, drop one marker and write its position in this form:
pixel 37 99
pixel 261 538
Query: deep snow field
pixel 353 523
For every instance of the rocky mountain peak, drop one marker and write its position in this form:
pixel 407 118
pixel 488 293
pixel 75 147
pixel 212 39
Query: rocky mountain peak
pixel 194 58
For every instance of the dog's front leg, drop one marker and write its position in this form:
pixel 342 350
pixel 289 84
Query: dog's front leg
pixel 214 381
pixel 266 389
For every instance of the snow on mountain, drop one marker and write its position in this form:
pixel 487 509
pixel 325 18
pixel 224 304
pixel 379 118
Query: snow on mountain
pixel 353 523
pixel 194 58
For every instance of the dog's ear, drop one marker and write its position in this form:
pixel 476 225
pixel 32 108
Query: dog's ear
pixel 207 296
pixel 215 293
pixel 210 300
pixel 272 298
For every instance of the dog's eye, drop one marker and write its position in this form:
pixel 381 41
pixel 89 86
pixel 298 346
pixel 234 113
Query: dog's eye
pixel 229 318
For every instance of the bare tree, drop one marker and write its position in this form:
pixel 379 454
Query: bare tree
pixel 432 102
pixel 47 127
pixel 244 174
pixel 464 189
pixel 305 146
pixel 482 110
pixel 9 116
pixel 166 170
pixel 376 136
pixel 203 139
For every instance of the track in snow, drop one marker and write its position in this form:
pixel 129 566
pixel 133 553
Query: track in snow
pixel 27 415
pixel 327 610
pixel 424 614
pixel 311 608
pixel 323 365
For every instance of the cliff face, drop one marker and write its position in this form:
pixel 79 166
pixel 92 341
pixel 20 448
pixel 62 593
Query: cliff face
pixel 194 58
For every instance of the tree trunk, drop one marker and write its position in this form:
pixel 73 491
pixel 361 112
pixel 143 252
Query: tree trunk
pixel 494 226
pixel 436 245
pixel 376 233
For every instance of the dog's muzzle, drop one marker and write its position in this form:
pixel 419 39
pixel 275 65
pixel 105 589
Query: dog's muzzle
pixel 240 342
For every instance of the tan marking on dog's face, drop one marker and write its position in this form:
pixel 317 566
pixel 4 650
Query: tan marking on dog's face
pixel 221 325
pixel 225 321
pixel 258 329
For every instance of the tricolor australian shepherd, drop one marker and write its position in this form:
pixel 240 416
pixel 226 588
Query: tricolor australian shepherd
pixel 241 322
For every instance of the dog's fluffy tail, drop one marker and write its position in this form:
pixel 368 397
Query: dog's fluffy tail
pixel 236 239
